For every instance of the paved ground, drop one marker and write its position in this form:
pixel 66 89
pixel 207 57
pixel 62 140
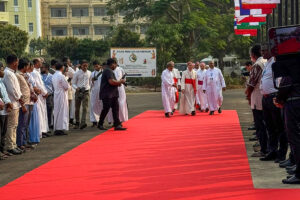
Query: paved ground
pixel 265 175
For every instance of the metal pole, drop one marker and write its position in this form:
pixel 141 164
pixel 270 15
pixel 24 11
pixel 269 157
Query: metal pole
pixel 297 11
pixel 292 12
pixel 273 18
pixel 286 12
pixel 280 14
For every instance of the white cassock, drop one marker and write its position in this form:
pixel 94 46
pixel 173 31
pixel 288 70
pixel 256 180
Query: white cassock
pixel 167 90
pixel 96 104
pixel 41 103
pixel 213 84
pixel 61 102
pixel 123 108
pixel 188 97
pixel 177 77
pixel 70 74
pixel 201 96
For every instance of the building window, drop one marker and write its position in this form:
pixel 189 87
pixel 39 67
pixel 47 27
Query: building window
pixel 16 19
pixel 100 11
pixel 59 31
pixel 16 2
pixel 101 30
pixel 80 12
pixel 30 28
pixel 2 7
pixel 81 31
pixel 58 12
pixel 29 3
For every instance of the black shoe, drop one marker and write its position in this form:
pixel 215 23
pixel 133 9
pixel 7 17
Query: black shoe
pixel 174 110
pixel 252 128
pixel 292 180
pixel 278 160
pixel 100 127
pixel 14 152
pixel 211 113
pixel 193 113
pixel 293 167
pixel 60 133
pixel 44 136
pixel 94 124
pixel 47 134
pixel 167 115
pixel 120 128
pixel 207 110
pixel 83 126
pixel 71 122
pixel 76 125
pixel 269 157
pixel 220 110
pixel 253 139
pixel 286 163
pixel 291 171
pixel 172 113
pixel 21 150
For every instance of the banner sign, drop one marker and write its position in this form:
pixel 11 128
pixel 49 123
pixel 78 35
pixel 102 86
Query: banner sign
pixel 137 62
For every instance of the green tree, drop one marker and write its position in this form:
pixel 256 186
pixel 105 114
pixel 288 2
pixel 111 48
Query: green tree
pixel 60 47
pixel 123 37
pixel 38 45
pixel 12 40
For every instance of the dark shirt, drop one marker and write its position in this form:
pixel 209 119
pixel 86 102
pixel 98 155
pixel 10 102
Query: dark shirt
pixel 108 91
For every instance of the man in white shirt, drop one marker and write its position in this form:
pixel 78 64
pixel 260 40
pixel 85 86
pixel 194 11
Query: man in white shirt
pixel 42 98
pixel 81 83
pixel 177 81
pixel 13 89
pixel 96 103
pixel 277 140
pixel 213 85
pixel 167 89
pixel 201 96
pixel 61 103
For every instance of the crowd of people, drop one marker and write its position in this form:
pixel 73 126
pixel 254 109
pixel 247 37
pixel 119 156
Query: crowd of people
pixel 39 100
pixel 273 132
pixel 200 86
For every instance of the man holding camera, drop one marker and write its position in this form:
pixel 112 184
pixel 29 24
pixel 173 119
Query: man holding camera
pixel 109 94
pixel 81 83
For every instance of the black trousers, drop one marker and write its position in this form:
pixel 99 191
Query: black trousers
pixel 275 127
pixel 50 107
pixel 261 132
pixel 292 123
pixel 112 103
pixel 3 129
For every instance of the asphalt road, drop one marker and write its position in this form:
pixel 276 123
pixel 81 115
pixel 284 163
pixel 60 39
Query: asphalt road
pixel 265 174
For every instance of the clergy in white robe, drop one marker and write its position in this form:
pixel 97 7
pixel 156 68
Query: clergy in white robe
pixel 123 108
pixel 61 102
pixel 213 85
pixel 167 89
pixel 188 90
pixel 177 78
pixel 201 96
pixel 95 102
pixel 41 103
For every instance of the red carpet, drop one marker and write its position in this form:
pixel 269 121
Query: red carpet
pixel 184 157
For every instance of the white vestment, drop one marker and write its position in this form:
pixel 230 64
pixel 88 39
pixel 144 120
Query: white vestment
pixel 167 91
pixel 176 75
pixel 213 84
pixel 41 103
pixel 70 74
pixel 188 97
pixel 123 108
pixel 61 102
pixel 201 96
pixel 96 104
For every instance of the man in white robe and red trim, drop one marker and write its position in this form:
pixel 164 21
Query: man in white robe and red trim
pixel 167 89
pixel 177 77
pixel 201 96
pixel 188 90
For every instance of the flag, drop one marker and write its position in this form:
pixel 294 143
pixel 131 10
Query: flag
pixel 260 4
pixel 239 10
pixel 249 25
pixel 251 18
